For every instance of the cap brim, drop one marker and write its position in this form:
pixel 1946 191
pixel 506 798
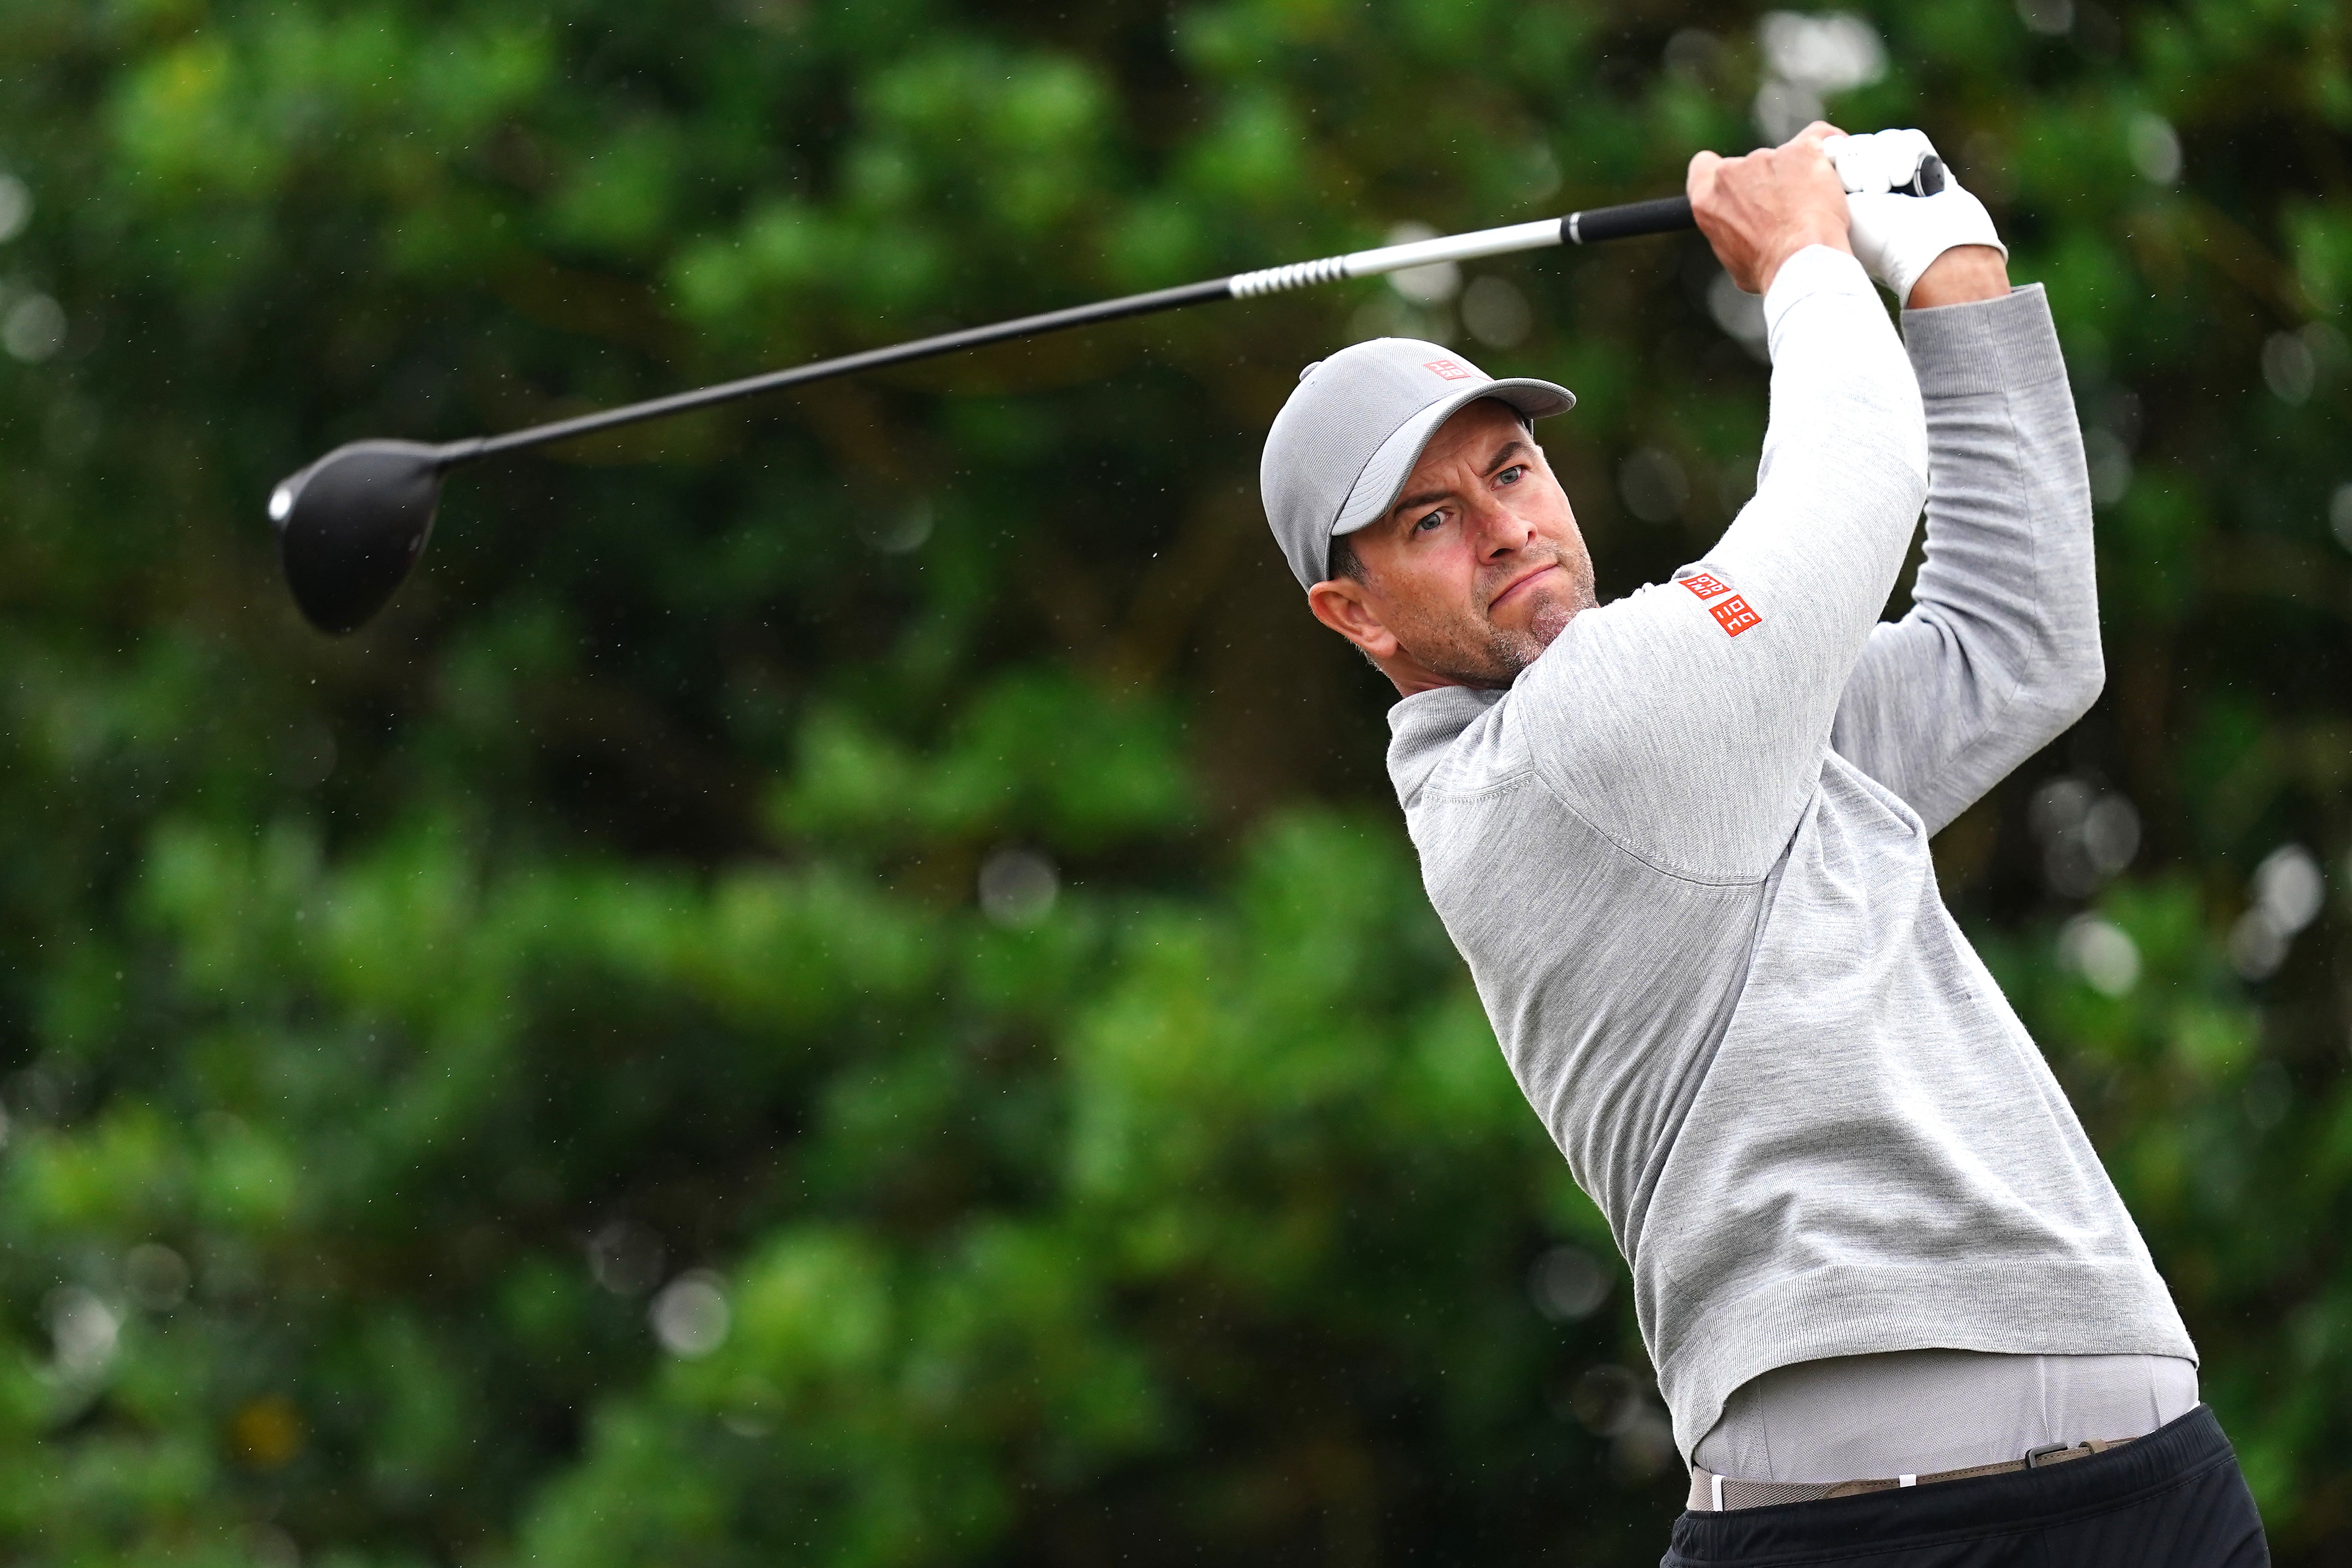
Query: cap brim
pixel 1384 473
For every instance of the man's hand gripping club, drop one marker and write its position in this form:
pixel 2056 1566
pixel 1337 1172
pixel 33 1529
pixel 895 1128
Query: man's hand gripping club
pixel 1760 210
pixel 1823 187
pixel 1932 250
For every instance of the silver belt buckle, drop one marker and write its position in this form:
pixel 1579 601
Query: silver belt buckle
pixel 2033 1457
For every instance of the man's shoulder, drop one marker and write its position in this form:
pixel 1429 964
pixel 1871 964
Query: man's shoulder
pixel 1461 741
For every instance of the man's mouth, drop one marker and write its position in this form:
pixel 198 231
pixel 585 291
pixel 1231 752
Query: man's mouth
pixel 1519 583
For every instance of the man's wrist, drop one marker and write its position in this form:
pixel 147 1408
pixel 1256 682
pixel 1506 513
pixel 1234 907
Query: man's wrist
pixel 1833 236
pixel 1962 276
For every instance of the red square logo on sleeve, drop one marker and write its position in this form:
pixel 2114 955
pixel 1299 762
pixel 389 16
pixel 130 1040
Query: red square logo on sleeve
pixel 1706 584
pixel 1734 616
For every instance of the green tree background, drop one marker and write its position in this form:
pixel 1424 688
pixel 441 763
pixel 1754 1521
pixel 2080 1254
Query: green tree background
pixel 838 982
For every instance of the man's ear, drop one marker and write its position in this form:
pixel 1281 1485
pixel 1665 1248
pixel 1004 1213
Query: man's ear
pixel 1342 604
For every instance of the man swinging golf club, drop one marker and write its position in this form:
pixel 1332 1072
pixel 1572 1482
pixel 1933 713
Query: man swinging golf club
pixel 1896 1308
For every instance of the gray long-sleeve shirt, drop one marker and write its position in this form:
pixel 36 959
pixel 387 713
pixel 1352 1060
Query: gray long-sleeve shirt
pixel 1686 856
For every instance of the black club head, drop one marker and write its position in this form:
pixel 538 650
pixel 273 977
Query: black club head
pixel 352 524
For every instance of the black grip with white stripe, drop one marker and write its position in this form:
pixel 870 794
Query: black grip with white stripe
pixel 1668 214
pixel 1664 215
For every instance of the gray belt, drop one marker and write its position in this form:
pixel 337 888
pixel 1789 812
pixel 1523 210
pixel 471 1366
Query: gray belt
pixel 1711 1493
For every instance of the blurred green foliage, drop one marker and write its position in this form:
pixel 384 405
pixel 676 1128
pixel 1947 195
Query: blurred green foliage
pixel 837 983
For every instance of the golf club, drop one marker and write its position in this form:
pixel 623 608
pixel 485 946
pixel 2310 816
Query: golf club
pixel 352 524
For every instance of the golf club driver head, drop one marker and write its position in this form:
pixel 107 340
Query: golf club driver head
pixel 352 524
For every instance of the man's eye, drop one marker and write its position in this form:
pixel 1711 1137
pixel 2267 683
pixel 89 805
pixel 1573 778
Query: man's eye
pixel 1429 522
pixel 1512 475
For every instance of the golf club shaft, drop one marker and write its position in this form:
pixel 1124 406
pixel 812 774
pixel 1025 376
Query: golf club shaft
pixel 1600 223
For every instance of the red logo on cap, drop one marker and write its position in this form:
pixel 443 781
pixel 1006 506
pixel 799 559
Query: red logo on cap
pixel 1446 369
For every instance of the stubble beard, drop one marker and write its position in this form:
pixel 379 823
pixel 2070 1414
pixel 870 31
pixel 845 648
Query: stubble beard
pixel 1474 652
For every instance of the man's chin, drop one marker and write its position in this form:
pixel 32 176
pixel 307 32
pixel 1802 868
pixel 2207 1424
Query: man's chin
pixel 1540 614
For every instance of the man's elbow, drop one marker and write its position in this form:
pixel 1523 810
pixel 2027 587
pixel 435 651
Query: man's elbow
pixel 2050 703
pixel 2080 677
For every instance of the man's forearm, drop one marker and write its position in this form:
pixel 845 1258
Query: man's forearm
pixel 1844 464
pixel 2000 650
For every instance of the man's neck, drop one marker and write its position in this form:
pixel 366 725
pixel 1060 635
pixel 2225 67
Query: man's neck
pixel 1410 678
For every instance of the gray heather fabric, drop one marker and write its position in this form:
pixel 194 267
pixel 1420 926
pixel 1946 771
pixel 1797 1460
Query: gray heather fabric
pixel 1686 856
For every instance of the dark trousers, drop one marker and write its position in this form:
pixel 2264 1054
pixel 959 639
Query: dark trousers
pixel 2172 1499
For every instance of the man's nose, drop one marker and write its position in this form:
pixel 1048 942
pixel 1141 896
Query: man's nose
pixel 1501 529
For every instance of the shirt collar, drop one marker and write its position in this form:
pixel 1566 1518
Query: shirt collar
pixel 1423 726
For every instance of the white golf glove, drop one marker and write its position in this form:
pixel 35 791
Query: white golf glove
pixel 1897 238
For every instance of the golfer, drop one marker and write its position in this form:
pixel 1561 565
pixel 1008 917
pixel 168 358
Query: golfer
pixel 1898 1311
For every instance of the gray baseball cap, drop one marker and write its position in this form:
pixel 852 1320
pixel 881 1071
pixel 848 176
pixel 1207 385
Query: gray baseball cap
pixel 1346 442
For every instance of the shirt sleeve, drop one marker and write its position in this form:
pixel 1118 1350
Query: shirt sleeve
pixel 1999 653
pixel 1688 721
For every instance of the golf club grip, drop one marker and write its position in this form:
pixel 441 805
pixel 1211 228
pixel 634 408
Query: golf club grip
pixel 1664 215
pixel 1668 214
